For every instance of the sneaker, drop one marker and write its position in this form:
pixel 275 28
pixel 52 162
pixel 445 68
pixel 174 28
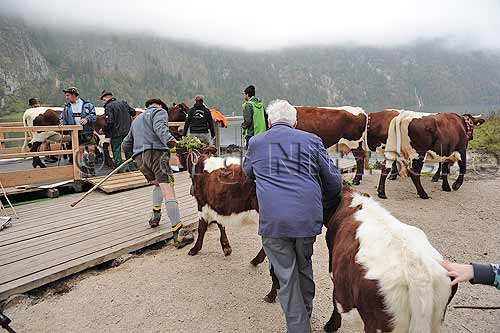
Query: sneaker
pixel 154 221
pixel 181 237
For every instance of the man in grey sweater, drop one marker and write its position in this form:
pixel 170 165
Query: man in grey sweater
pixel 148 141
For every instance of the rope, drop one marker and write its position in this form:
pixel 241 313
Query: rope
pixel 193 157
pixel 8 201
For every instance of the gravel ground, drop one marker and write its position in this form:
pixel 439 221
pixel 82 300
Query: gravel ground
pixel 164 290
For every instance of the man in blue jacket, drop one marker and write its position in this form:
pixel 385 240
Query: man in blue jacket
pixel 78 111
pixel 293 174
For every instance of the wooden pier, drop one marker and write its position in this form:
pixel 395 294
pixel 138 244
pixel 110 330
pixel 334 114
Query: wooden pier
pixel 51 240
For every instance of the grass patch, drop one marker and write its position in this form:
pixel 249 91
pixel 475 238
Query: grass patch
pixel 487 136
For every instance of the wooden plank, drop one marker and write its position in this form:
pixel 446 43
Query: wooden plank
pixel 125 175
pixel 95 203
pixel 36 176
pixel 75 149
pixel 14 129
pixel 27 250
pixel 61 270
pixel 11 150
pixel 71 219
pixel 11 139
pixel 110 188
pixel 11 123
pixel 36 153
pixel 45 258
pixel 32 247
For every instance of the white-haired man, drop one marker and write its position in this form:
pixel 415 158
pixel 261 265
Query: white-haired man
pixel 293 174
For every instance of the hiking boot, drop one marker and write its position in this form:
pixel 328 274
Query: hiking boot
pixel 181 237
pixel 154 221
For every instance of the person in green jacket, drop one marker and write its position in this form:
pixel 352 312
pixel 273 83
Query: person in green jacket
pixel 254 115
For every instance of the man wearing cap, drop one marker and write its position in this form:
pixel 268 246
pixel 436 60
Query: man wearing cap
pixel 118 118
pixel 148 141
pixel 199 121
pixel 34 102
pixel 81 112
pixel 254 115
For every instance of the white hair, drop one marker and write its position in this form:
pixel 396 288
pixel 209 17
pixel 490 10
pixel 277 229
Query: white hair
pixel 281 111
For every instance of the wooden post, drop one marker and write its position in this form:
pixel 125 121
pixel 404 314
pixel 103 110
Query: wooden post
pixel 75 146
pixel 217 137
pixel 367 159
pixel 2 145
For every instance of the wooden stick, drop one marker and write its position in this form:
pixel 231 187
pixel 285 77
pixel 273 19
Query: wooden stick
pixel 102 181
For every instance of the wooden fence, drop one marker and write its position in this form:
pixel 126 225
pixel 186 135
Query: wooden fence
pixel 39 176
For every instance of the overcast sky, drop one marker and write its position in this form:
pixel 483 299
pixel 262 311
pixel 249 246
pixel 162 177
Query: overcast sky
pixel 271 24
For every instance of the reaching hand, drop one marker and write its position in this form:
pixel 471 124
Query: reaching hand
pixel 460 272
pixel 172 144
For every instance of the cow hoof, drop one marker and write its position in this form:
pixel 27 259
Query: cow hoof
pixel 270 298
pixel 356 182
pixel 334 323
pixel 382 195
pixel 227 251
pixel 193 252
pixel 447 188
pixel 435 180
pixel 393 177
pixel 456 186
pixel 423 196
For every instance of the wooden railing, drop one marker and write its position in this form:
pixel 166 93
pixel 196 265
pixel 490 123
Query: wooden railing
pixel 40 176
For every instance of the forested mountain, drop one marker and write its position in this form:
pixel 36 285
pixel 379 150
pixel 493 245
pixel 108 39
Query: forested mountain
pixel 40 62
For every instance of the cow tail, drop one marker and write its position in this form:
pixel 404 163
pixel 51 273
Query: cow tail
pixel 420 297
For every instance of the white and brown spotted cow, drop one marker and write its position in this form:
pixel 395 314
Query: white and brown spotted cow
pixel 385 269
pixel 343 125
pixel 41 116
pixel 416 138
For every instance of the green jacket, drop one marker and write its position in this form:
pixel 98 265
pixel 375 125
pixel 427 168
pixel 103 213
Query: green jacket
pixel 254 117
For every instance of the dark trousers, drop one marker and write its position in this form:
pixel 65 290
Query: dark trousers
pixel 292 264
pixel 116 146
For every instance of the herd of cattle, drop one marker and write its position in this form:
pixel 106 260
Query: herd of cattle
pixel 394 281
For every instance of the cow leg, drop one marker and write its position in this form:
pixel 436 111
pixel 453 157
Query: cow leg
pixel 359 155
pixel 224 242
pixel 444 176
pixel 463 168
pixel 108 161
pixel 394 171
pixel 336 319
pixel 437 175
pixel 415 170
pixel 381 182
pixel 271 297
pixel 202 228
pixel 37 162
pixel 259 258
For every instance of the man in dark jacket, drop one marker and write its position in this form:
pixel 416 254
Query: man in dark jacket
pixel 199 121
pixel 118 118
pixel 293 174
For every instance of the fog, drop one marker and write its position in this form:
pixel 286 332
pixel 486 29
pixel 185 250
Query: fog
pixel 266 25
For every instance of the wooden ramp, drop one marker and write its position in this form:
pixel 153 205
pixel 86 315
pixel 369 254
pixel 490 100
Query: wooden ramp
pixel 51 240
pixel 120 182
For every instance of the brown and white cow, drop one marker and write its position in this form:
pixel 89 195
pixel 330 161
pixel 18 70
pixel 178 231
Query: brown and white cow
pixel 344 125
pixel 41 116
pixel 385 269
pixel 224 195
pixel 415 138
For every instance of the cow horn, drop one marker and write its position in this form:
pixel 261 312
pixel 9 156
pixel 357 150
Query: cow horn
pixel 478 116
